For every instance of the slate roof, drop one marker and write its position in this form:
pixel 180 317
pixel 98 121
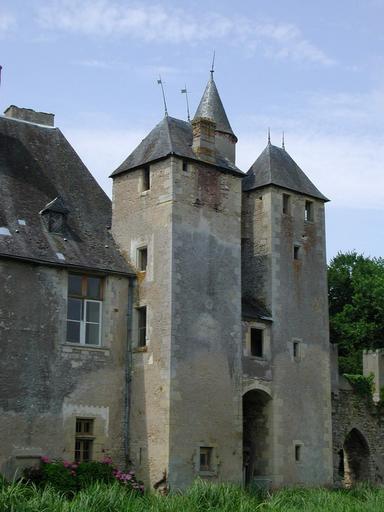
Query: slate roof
pixel 37 166
pixel 254 309
pixel 211 106
pixel 170 137
pixel 276 167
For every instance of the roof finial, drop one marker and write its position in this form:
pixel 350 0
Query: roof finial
pixel 283 141
pixel 269 136
pixel 185 91
pixel 160 82
pixel 213 64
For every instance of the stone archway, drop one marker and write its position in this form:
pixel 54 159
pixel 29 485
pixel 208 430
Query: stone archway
pixel 256 426
pixel 356 458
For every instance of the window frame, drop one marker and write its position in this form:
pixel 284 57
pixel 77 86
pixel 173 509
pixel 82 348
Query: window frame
pixel 286 207
pixel 145 179
pixel 85 300
pixel 209 454
pixel 139 258
pixel 308 211
pixel 142 341
pixel 83 438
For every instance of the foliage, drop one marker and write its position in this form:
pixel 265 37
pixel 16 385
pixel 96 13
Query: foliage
pixel 201 497
pixel 71 477
pixel 364 385
pixel 356 307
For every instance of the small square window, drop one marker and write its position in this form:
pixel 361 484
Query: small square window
pixel 146 179
pixel 308 212
pixel 286 203
pixel 296 252
pixel 142 326
pixel 256 342
pixel 142 258
pixel 297 452
pixel 205 458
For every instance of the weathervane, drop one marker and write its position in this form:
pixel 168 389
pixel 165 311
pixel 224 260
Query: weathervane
pixel 269 136
pixel 213 64
pixel 283 142
pixel 160 82
pixel 185 91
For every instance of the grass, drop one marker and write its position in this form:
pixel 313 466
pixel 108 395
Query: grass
pixel 201 497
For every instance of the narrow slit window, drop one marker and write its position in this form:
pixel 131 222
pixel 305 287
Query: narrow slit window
pixel 146 183
pixel 142 259
pixel 286 203
pixel 185 166
pixel 296 252
pixel 205 458
pixel 296 350
pixel 297 452
pixel 142 326
pixel 308 213
pixel 256 342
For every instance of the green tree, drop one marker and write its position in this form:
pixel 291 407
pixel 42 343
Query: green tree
pixel 356 307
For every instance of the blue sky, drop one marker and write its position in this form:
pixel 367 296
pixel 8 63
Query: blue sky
pixel 312 69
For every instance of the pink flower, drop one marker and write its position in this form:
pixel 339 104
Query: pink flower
pixel 45 459
pixel 66 464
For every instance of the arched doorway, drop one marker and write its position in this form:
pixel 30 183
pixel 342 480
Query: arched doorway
pixel 356 458
pixel 256 442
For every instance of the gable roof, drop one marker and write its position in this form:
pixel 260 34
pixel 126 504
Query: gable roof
pixel 170 137
pixel 37 167
pixel 276 167
pixel 211 107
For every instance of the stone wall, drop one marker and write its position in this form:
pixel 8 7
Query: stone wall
pixel 47 383
pixel 354 413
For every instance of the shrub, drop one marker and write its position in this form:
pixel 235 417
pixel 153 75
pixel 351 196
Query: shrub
pixel 69 477
pixel 363 385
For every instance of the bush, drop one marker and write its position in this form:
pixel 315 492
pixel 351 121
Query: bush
pixel 70 477
pixel 363 385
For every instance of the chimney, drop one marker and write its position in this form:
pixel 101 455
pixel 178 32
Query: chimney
pixel 27 114
pixel 204 139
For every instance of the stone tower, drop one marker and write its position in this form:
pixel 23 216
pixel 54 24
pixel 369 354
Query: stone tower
pixel 177 217
pixel 287 410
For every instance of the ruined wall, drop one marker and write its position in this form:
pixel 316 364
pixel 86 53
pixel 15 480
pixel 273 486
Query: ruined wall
pixel 46 383
pixel 295 291
pixel 206 324
pixel 351 411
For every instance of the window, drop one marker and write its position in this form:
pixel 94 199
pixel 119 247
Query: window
pixel 142 258
pixel 296 252
pixel 185 166
pixel 142 326
pixel 297 452
pixel 256 342
pixel 308 212
pixel 205 463
pixel 84 439
pixel 146 179
pixel 296 350
pixel 84 309
pixel 286 203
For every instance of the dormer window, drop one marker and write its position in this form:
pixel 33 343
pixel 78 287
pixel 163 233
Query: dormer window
pixel 55 215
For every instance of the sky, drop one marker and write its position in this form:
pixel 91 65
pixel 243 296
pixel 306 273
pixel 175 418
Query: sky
pixel 313 69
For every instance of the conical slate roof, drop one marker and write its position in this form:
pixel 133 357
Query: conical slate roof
pixel 169 137
pixel 211 106
pixel 276 167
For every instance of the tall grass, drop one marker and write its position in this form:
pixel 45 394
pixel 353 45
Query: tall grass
pixel 201 497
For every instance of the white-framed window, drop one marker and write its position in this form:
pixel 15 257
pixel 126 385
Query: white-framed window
pixel 142 258
pixel 84 309
pixel 308 211
pixel 141 326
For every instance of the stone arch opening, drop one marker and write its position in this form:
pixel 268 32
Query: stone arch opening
pixel 356 458
pixel 256 427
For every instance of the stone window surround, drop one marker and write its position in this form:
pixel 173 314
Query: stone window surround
pixel 266 341
pixel 215 461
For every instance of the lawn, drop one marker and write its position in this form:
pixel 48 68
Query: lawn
pixel 201 497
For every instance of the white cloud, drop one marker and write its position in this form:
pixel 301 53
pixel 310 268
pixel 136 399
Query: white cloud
pixel 7 22
pixel 151 23
pixel 92 63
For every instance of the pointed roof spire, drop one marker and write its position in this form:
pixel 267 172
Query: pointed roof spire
pixel 269 136
pixel 211 106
